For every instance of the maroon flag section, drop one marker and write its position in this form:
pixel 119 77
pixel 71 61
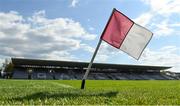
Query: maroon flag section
pixel 117 29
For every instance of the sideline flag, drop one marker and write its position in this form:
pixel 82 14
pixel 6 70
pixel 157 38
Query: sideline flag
pixel 122 33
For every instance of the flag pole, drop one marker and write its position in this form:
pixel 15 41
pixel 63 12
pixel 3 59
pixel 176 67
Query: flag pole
pixel 90 64
pixel 94 55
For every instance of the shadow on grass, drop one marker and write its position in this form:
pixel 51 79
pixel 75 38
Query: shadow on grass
pixel 58 95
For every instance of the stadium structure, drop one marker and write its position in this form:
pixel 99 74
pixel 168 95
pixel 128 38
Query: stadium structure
pixel 19 68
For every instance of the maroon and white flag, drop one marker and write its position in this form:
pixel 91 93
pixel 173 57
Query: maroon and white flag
pixel 122 33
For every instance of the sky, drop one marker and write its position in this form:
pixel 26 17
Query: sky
pixel 70 30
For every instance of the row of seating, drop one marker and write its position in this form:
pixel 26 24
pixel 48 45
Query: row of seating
pixel 71 75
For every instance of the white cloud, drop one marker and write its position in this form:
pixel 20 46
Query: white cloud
pixel 40 37
pixel 105 52
pixel 74 3
pixel 144 19
pixel 159 17
pixel 164 7
pixel 65 26
pixel 12 16
pixel 60 55
pixel 167 56
pixel 87 48
pixel 175 25
pixel 163 29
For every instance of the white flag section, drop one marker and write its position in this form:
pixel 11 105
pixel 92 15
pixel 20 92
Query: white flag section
pixel 136 40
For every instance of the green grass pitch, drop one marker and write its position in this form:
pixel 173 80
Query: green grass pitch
pixel 97 92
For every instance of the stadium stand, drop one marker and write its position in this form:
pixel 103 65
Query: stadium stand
pixel 69 70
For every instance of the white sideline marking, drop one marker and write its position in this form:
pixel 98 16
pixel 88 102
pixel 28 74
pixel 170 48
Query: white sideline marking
pixel 54 83
pixel 62 85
